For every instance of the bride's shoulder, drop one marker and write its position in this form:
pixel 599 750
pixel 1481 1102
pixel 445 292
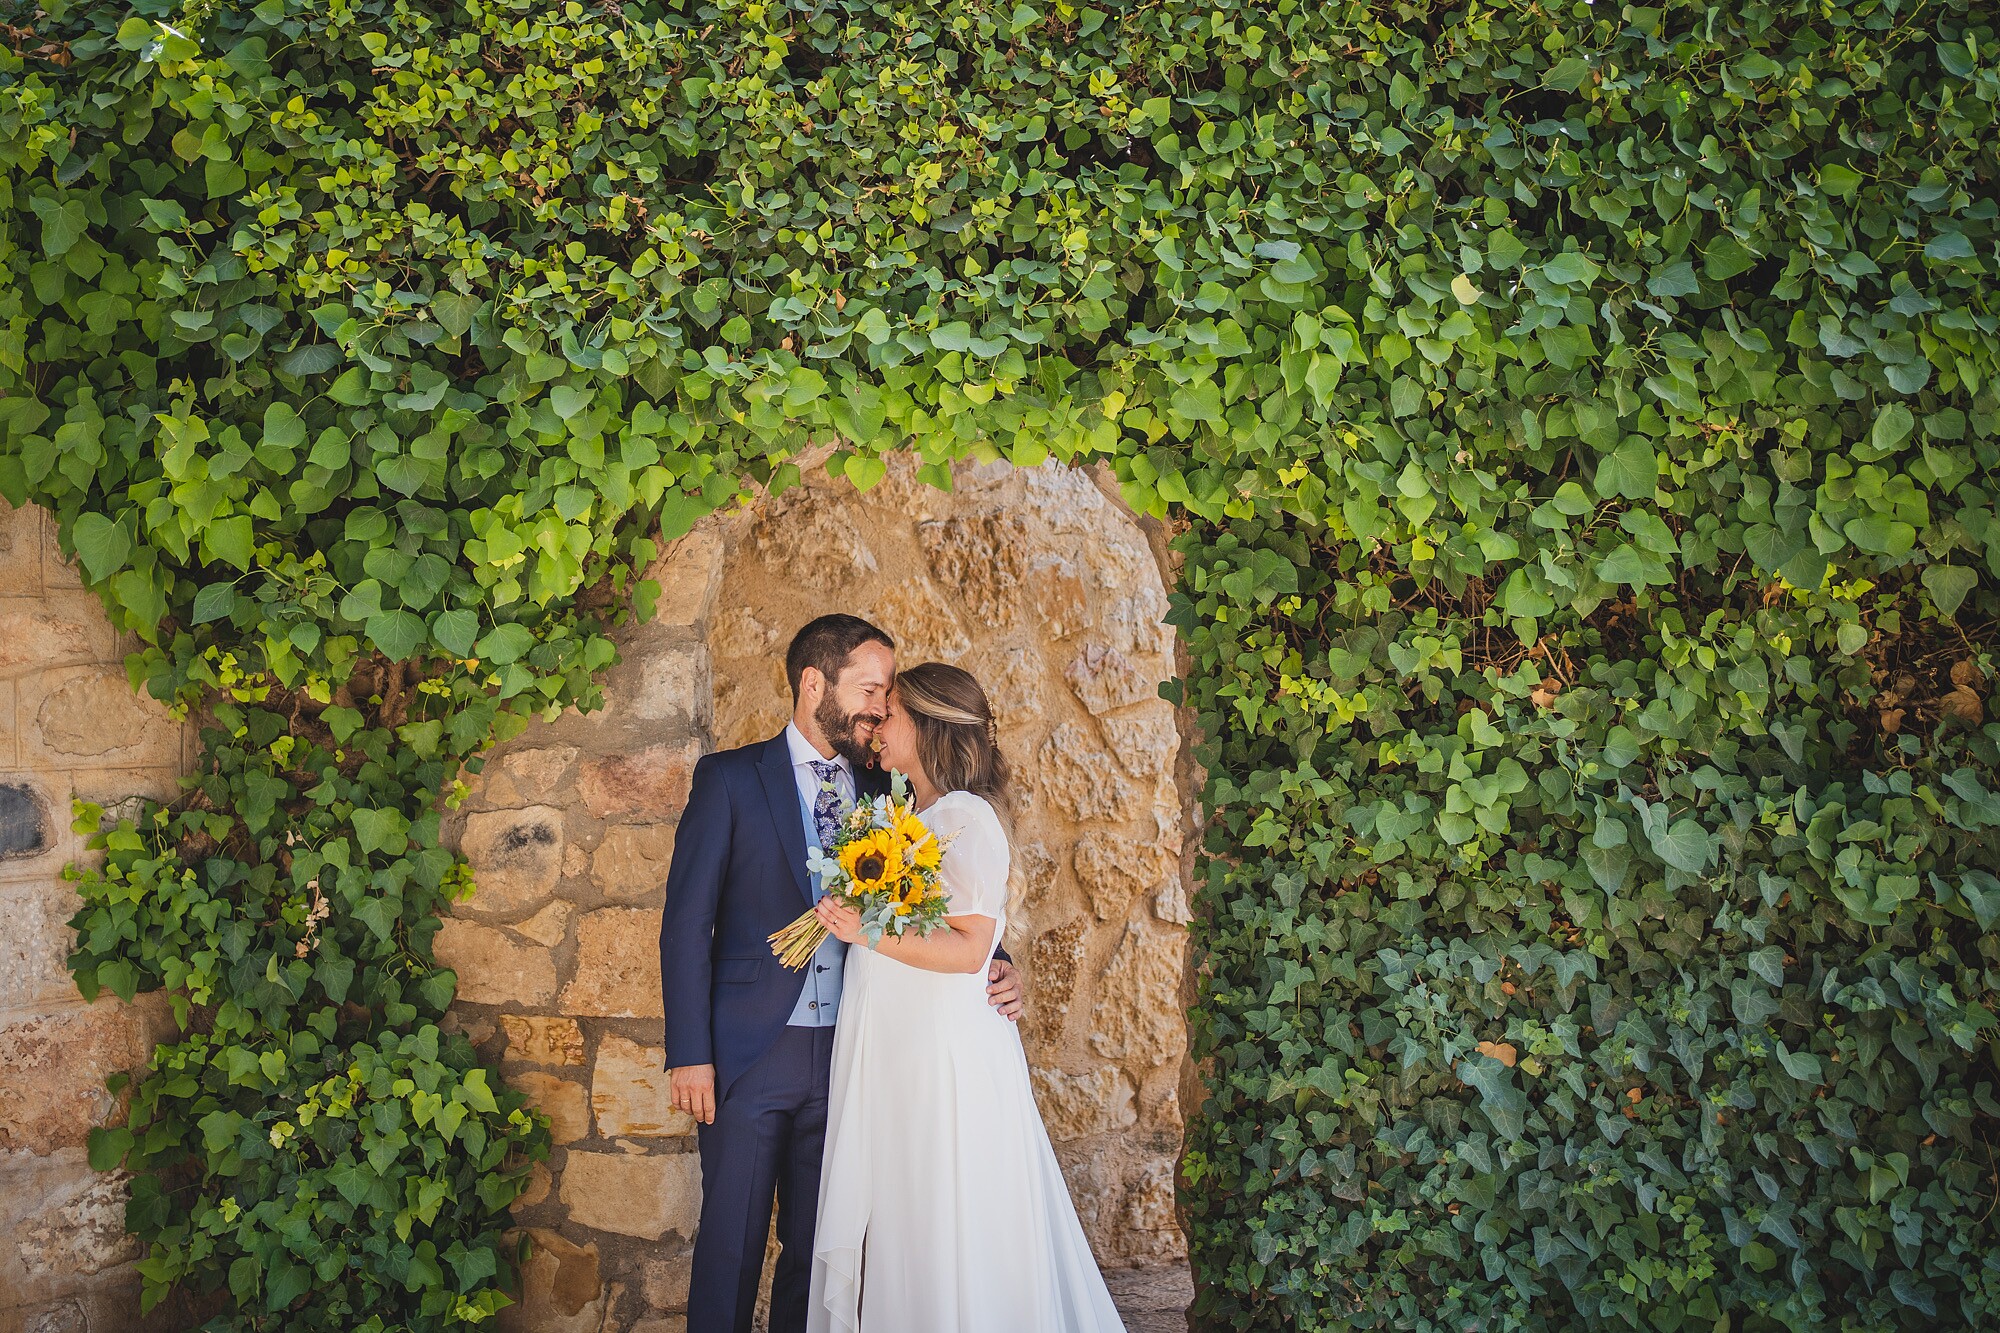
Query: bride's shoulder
pixel 968 807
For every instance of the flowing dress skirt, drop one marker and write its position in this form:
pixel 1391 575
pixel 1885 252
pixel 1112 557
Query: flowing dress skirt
pixel 942 1207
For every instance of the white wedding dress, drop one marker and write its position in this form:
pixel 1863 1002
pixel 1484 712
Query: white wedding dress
pixel 941 1206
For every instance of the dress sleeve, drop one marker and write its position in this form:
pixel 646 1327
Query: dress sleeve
pixel 974 869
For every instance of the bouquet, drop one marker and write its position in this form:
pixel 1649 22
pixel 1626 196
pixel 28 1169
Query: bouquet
pixel 883 863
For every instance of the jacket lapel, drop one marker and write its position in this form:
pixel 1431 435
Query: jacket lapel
pixel 781 790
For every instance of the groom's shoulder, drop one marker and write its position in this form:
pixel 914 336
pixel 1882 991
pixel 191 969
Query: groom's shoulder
pixel 739 758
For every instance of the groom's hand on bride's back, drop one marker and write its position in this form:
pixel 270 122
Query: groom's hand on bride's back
pixel 1003 989
pixel 693 1089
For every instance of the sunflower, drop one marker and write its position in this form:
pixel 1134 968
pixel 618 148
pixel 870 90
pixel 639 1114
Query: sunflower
pixel 873 862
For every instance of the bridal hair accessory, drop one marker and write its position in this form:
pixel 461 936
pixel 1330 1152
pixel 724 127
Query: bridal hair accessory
pixel 883 862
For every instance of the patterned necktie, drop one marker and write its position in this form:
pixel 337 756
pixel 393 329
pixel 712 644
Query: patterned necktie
pixel 826 801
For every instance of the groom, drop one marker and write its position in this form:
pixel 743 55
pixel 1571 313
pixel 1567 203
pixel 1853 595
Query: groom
pixel 749 1043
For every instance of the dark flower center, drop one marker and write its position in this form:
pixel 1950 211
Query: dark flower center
pixel 869 867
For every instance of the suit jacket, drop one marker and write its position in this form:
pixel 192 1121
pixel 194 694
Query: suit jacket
pixel 738 875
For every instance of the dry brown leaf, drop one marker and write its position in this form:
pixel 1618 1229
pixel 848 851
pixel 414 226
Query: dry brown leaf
pixel 1966 673
pixel 1544 694
pixel 1964 705
pixel 1892 720
pixel 1502 1051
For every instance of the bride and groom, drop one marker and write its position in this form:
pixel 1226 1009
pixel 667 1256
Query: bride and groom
pixel 916 1188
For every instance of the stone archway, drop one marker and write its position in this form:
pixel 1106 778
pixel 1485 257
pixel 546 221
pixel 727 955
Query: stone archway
pixel 1047 589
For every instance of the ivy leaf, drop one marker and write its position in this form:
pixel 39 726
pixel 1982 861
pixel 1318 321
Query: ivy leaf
pixel 398 633
pixel 455 631
pixel 102 544
pixel 454 311
pixel 1801 1065
pixel 107 1147
pixel 379 915
pixel 1629 471
pixel 1949 585
pixel 381 830
pixel 214 602
pixel 1685 845
pixel 505 643
pixel 1505 1105
pixel 63 224
pixel 1892 426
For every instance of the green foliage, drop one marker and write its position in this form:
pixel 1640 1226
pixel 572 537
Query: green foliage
pixel 1586 417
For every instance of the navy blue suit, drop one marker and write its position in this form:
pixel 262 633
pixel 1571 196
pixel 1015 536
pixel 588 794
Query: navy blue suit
pixel 739 874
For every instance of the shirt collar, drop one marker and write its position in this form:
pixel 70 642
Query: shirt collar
pixel 803 752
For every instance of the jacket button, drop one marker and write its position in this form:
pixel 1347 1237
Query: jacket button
pixel 812 1004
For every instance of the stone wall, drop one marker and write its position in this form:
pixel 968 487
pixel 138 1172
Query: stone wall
pixel 1031 579
pixel 70 726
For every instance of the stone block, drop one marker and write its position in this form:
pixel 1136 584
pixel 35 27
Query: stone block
pixel 540 1182
pixel 537 1040
pixel 562 1101
pixel 629 1092
pixel 34 973
pixel 665 1281
pixel 1075 1105
pixel 1104 680
pixel 1054 963
pixel 531 776
pixel 1013 685
pixel 631 862
pixel 516 858
pixel 617 965
pixel 20 550
pixel 67 630
pixel 1112 870
pixel 812 544
pixel 53 1067
pixel 88 716
pixel 670 684
pixel 1145 742
pixel 921 621
pixel 1138 1019
pixel 548 926
pixel 495 968
pixel 562 1290
pixel 753 700
pixel 648 1195
pixel 673 1323
pixel 737 632
pixel 79 1229
pixel 1031 875
pixel 1062 598
pixel 58 570
pixel 689 571
pixel 1080 779
pixel 650 784
pixel 981 561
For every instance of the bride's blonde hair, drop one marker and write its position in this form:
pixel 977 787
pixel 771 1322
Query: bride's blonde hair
pixel 957 742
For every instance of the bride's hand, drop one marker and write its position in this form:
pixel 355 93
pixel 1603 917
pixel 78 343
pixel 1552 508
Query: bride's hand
pixel 843 923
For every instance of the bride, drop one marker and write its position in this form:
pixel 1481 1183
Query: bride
pixel 941 1205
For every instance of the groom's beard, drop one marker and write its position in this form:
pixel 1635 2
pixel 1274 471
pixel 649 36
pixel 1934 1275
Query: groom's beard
pixel 838 728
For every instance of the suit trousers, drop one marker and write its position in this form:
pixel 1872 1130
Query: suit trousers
pixel 768 1135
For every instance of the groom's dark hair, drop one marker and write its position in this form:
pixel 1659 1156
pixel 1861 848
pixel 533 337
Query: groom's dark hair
pixel 827 643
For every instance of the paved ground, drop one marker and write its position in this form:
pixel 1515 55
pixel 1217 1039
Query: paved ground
pixel 1153 1300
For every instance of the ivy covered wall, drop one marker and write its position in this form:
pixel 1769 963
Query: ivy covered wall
pixel 1586 418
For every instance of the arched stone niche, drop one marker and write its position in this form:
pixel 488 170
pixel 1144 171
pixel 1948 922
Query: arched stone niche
pixel 1049 593
pixel 1052 594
